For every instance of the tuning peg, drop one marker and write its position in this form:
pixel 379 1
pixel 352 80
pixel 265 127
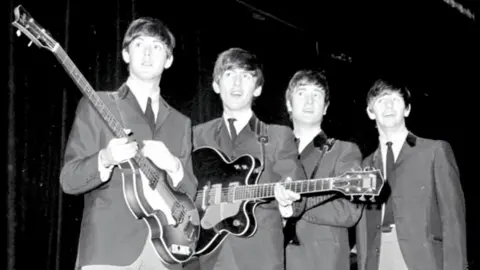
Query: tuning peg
pixel 372 199
pixel 30 43
pixel 362 198
pixel 351 198
pixel 19 33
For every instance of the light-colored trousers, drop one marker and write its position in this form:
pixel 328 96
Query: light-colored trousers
pixel 148 260
pixel 391 257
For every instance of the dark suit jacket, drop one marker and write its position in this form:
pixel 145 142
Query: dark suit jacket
pixel 323 228
pixel 110 234
pixel 264 250
pixel 429 209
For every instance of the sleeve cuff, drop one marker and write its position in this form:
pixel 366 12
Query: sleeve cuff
pixel 105 172
pixel 286 211
pixel 178 175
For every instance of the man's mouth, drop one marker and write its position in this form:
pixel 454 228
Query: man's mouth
pixel 236 93
pixel 308 110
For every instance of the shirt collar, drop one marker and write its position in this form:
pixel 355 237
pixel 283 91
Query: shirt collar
pixel 396 139
pixel 242 119
pixel 141 94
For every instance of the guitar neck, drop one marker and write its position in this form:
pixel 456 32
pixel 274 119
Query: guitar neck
pixel 266 191
pixel 153 174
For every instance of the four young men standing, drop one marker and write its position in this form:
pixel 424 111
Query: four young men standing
pixel 418 223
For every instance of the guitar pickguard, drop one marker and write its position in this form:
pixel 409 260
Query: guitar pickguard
pixel 216 213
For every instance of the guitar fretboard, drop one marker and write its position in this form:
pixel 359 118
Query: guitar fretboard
pixel 152 174
pixel 266 191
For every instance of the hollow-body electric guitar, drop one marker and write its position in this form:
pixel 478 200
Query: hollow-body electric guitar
pixel 146 190
pixel 228 192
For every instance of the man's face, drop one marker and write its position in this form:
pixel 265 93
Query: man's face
pixel 388 110
pixel 147 57
pixel 307 104
pixel 237 88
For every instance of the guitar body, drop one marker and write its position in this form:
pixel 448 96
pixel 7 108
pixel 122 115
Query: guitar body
pixel 173 244
pixel 218 220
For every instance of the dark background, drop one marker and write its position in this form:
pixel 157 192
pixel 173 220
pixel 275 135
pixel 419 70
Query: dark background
pixel 429 45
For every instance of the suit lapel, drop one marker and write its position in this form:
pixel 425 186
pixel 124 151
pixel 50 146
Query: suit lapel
pixel 247 132
pixel 132 114
pixel 307 156
pixel 407 149
pixel 312 153
pixel 163 112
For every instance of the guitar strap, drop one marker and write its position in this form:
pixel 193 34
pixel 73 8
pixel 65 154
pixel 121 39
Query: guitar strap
pixel 261 132
pixel 327 146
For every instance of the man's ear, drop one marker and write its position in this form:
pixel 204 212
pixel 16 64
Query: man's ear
pixel 325 108
pixel 125 56
pixel 370 113
pixel 257 92
pixel 289 106
pixel 216 87
pixel 168 62
pixel 407 110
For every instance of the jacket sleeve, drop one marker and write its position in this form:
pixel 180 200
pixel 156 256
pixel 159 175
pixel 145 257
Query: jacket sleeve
pixel 335 210
pixel 287 164
pixel 79 173
pixel 452 207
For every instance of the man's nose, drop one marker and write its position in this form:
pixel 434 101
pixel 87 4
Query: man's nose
pixel 238 80
pixel 389 103
pixel 147 51
pixel 309 99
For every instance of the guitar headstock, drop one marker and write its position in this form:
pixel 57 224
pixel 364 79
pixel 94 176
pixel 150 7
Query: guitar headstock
pixel 366 182
pixel 27 25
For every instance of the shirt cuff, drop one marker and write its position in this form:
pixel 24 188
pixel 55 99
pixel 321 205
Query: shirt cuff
pixel 286 211
pixel 178 175
pixel 105 172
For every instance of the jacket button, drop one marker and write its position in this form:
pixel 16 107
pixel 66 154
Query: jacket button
pixel 378 226
pixel 377 250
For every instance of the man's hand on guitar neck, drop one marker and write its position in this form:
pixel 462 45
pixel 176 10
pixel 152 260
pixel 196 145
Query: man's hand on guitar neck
pixel 159 154
pixel 285 198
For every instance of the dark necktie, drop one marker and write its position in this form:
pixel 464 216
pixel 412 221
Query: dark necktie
pixel 149 114
pixel 233 131
pixel 388 218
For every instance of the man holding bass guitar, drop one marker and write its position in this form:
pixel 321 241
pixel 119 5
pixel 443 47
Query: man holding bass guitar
pixel 111 238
